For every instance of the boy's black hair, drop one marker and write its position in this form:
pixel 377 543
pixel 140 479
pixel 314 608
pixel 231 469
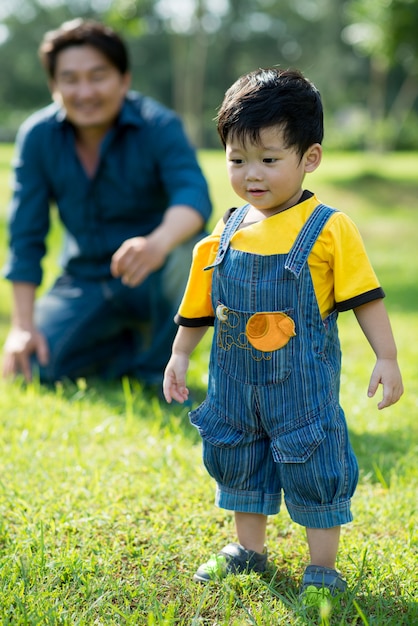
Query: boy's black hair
pixel 272 97
pixel 79 32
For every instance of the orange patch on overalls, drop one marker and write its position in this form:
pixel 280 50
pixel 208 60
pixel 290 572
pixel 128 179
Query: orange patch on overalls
pixel 269 331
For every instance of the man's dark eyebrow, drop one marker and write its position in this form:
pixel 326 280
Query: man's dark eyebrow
pixel 97 68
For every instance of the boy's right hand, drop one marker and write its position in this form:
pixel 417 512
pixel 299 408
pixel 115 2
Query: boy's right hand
pixel 174 384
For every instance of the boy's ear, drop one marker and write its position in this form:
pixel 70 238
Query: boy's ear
pixel 313 157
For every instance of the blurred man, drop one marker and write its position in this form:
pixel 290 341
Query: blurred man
pixel 132 200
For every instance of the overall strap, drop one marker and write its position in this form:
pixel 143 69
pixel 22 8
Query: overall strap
pixel 230 227
pixel 306 238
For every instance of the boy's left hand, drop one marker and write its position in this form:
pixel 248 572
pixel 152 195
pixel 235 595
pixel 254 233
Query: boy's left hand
pixel 386 372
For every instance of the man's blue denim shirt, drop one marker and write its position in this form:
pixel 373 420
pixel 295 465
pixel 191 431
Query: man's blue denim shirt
pixel 146 165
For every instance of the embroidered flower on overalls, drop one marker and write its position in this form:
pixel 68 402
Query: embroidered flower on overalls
pixel 270 331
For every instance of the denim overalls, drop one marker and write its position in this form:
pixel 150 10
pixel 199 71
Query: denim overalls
pixel 271 421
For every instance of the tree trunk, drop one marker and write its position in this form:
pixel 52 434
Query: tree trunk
pixel 189 67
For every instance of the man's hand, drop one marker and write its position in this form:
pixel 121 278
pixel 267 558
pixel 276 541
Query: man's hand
pixel 136 259
pixel 18 348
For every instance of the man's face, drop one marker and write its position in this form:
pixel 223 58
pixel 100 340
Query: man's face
pixel 89 87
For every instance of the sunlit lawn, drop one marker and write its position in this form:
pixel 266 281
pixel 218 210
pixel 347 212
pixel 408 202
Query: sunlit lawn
pixel 106 510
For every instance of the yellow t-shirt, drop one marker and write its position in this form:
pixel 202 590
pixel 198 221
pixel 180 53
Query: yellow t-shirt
pixel 342 275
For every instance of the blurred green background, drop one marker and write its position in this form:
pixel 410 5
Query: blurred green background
pixel 74 457
pixel 361 54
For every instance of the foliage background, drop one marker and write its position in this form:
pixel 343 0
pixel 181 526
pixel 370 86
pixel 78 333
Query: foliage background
pixel 362 55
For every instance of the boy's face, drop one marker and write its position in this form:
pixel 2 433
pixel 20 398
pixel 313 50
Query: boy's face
pixel 266 174
pixel 89 87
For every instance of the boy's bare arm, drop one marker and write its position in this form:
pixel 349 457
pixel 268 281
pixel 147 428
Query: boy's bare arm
pixel 375 324
pixel 174 384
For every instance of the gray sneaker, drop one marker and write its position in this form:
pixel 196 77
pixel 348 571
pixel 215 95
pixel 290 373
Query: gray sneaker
pixel 232 559
pixel 319 583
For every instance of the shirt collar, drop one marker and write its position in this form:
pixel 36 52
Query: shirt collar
pixel 130 114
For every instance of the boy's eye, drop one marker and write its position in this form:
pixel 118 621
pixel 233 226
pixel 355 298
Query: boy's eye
pixel 269 160
pixel 236 161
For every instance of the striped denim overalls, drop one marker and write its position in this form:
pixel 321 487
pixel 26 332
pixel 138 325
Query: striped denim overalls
pixel 271 421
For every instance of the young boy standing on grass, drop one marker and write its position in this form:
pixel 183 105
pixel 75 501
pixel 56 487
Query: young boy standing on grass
pixel 272 278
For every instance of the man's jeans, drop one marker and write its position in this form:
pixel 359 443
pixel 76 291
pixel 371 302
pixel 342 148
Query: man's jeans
pixel 106 329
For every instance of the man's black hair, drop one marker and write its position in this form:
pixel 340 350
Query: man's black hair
pixel 79 32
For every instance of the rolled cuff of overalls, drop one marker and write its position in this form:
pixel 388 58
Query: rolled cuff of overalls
pixel 247 501
pixel 321 516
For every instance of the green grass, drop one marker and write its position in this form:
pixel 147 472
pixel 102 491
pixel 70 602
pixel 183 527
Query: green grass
pixel 106 509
